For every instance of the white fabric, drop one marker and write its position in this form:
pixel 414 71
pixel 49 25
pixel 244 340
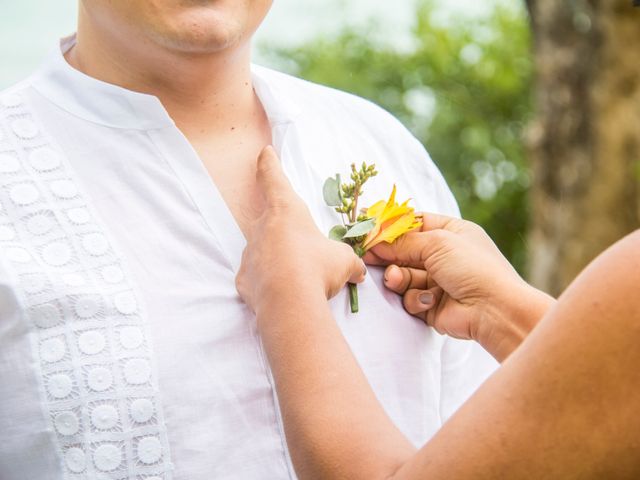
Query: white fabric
pixel 125 351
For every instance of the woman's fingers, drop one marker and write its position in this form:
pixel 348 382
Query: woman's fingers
pixel 419 297
pixel 431 314
pixel 371 258
pixel 418 301
pixel 413 248
pixel 401 279
pixel 432 221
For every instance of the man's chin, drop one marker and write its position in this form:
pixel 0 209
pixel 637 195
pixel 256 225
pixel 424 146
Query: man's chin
pixel 194 26
pixel 201 37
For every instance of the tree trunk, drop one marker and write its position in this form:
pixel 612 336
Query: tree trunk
pixel 585 141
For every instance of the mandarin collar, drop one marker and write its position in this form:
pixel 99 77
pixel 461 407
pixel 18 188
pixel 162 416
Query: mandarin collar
pixel 113 106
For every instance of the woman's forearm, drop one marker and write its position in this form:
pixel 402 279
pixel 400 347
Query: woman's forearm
pixel 335 426
pixel 562 406
pixel 513 319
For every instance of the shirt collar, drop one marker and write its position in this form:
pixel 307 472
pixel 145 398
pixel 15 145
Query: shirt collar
pixel 273 94
pixel 107 104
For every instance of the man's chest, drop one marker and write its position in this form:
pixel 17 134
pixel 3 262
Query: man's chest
pixel 235 180
pixel 230 162
pixel 175 238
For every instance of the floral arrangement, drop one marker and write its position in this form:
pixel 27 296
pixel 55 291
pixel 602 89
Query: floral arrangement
pixel 384 221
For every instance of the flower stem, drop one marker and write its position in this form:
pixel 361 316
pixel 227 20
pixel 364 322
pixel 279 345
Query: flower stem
pixel 353 297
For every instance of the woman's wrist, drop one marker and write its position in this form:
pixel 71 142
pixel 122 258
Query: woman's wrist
pixel 512 319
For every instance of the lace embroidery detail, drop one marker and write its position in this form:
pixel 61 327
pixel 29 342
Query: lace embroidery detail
pixel 89 333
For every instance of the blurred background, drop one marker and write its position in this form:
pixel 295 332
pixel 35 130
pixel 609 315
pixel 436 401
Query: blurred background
pixel 530 108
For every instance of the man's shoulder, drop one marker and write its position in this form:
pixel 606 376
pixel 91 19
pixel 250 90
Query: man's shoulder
pixel 12 99
pixel 315 99
pixel 10 95
pixel 13 116
pixel 347 123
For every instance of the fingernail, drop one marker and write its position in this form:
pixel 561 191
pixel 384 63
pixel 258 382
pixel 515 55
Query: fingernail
pixel 364 270
pixel 426 298
pixel 386 274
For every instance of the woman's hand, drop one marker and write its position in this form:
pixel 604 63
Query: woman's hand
pixel 286 254
pixel 453 276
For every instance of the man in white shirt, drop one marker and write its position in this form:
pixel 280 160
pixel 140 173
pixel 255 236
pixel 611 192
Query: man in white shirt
pixel 127 167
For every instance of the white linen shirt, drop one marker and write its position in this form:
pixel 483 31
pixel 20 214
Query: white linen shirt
pixel 125 351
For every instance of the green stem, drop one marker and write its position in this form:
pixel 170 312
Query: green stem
pixel 353 297
pixel 356 194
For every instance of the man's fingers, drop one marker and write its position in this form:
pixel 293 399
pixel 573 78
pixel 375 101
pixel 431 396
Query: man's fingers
pixel 270 178
pixel 357 271
pixel 401 279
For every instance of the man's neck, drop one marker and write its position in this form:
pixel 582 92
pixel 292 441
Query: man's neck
pixel 207 95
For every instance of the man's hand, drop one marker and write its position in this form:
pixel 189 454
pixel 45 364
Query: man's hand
pixel 286 254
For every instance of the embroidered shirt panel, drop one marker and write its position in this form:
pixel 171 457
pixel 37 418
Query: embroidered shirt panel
pixel 88 327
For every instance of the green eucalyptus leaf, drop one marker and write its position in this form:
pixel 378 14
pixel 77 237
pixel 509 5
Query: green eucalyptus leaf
pixel 360 228
pixel 331 192
pixel 337 232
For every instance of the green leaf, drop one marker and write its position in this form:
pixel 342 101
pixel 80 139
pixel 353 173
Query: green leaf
pixel 331 192
pixel 360 228
pixel 337 232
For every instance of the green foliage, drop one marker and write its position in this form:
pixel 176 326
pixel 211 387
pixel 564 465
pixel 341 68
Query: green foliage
pixel 360 228
pixel 337 233
pixel 331 192
pixel 464 89
pixel 345 196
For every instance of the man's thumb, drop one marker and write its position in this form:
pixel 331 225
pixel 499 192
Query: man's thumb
pixel 357 270
pixel 270 177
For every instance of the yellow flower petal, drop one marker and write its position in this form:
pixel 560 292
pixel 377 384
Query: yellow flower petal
pixel 376 209
pixel 396 229
pixel 391 221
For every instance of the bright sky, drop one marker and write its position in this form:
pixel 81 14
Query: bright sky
pixel 29 28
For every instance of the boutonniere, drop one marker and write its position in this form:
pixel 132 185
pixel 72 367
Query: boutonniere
pixel 363 229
